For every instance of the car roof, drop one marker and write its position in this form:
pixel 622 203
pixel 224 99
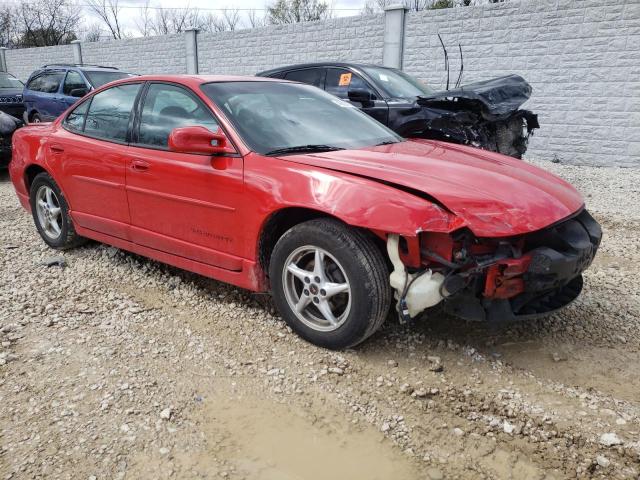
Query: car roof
pixel 194 80
pixel 318 64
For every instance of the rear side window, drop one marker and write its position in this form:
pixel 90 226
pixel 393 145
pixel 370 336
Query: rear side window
pixel 72 81
pixel 109 112
pixel 167 107
pixel 46 82
pixel 75 120
pixel 311 76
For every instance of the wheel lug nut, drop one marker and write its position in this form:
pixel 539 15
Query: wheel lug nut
pixel 317 279
pixel 306 292
pixel 323 292
pixel 307 280
pixel 316 300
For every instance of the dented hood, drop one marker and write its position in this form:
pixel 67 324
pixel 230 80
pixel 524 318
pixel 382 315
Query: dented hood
pixel 494 194
pixel 499 96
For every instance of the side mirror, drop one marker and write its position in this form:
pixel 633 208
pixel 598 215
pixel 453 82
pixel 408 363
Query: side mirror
pixel 79 92
pixel 199 140
pixel 362 96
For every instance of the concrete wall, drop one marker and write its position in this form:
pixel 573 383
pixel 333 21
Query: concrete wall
pixel 582 58
pixel 25 60
pixel 164 54
pixel 247 52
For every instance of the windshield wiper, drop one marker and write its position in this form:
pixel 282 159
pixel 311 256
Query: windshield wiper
pixel 387 142
pixel 304 149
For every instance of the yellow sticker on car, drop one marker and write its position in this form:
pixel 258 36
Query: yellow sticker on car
pixel 345 80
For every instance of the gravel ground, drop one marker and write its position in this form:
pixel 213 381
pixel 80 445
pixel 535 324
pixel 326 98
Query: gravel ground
pixel 119 367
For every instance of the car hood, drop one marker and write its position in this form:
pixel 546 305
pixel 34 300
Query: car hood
pixel 493 194
pixel 11 92
pixel 498 96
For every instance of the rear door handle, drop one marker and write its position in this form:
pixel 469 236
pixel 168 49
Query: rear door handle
pixel 139 166
pixel 56 148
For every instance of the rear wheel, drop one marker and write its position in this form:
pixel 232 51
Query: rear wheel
pixel 51 214
pixel 330 283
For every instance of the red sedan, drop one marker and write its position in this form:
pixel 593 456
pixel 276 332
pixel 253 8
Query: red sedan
pixel 268 184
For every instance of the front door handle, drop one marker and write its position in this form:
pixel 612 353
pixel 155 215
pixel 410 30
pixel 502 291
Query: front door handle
pixel 139 166
pixel 56 148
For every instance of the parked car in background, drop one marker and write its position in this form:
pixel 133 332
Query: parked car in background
pixel 483 114
pixel 267 184
pixel 11 95
pixel 53 88
pixel 11 110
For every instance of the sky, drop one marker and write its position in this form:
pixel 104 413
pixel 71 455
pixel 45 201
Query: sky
pixel 341 8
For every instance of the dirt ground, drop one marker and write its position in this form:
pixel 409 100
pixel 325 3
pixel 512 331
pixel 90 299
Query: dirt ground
pixel 119 367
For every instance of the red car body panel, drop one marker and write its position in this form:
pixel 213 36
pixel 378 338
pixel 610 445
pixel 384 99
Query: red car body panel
pixel 184 210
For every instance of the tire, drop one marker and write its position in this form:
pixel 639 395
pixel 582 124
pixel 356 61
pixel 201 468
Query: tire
pixel 45 190
pixel 36 118
pixel 349 258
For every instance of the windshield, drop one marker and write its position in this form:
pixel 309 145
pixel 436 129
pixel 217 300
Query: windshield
pixel 397 84
pixel 273 116
pixel 99 78
pixel 7 81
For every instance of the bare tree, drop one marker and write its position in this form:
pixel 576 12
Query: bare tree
pixel 293 11
pixel 109 12
pixel 46 22
pixel 8 27
pixel 254 20
pixel 144 22
pixel 376 6
pixel 92 33
pixel 231 18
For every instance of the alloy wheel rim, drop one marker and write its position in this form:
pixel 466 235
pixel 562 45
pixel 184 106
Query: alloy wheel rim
pixel 317 288
pixel 49 212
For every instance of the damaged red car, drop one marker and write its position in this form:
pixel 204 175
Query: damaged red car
pixel 271 185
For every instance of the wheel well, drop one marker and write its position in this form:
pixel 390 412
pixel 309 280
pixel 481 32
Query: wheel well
pixel 281 221
pixel 30 173
pixel 33 112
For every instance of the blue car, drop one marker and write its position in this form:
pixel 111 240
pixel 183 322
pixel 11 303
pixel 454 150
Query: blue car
pixel 53 88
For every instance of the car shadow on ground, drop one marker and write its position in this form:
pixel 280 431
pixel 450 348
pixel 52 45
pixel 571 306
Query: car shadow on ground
pixel 4 175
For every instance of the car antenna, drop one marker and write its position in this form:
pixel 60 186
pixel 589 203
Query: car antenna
pixel 461 67
pixel 446 59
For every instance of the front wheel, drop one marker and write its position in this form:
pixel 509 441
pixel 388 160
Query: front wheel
pixel 330 283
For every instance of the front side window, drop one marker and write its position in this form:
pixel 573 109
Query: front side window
pixel 312 76
pixel 109 112
pixel 340 81
pixel 75 119
pixel 397 84
pixel 272 116
pixel 167 107
pixel 73 81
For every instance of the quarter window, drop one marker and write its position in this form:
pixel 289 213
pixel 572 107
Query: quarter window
pixel 75 120
pixel 72 81
pixel 109 112
pixel 167 107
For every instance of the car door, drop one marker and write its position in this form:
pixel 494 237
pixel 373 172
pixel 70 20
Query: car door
pixel 49 99
pixel 92 151
pixel 339 81
pixel 179 203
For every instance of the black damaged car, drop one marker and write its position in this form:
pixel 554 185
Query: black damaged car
pixel 483 114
